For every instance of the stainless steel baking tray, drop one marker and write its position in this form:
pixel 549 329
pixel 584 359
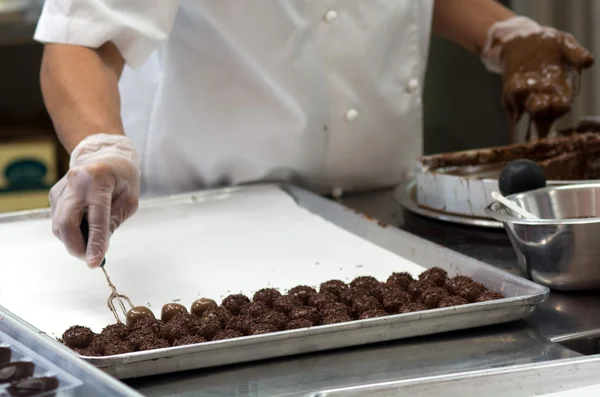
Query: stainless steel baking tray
pixel 522 296
pixel 406 195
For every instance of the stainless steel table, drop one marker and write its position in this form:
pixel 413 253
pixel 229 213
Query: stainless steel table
pixel 572 317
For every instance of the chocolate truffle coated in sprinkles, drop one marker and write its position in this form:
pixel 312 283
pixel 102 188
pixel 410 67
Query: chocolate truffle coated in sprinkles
pixel 189 340
pixel 254 309
pixel 489 296
pixel 219 314
pixel 401 280
pixel 335 287
pixel 266 296
pixel 395 300
pixel 297 324
pixel 116 331
pixel 433 296
pixel 364 305
pixel 301 293
pixel 471 291
pixel 435 275
pixel 259 329
pixel 336 318
pixel 79 337
pixel 366 283
pixel 284 304
pixel 321 300
pixel 227 334
pixel 414 307
pixel 276 319
pixel 451 301
pixel 234 303
pixel 241 324
pixel 305 313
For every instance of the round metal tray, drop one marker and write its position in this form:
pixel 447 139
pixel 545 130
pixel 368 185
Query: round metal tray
pixel 406 195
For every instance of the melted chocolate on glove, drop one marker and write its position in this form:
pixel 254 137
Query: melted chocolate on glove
pixel 537 70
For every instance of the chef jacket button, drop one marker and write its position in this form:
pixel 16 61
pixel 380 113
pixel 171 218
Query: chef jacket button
pixel 330 16
pixel 351 115
pixel 337 192
pixel 413 85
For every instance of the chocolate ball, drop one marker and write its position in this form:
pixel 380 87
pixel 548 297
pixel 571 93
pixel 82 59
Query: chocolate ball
pixel 254 309
pixel 335 287
pixel 471 291
pixel 137 313
pixel 417 288
pixel 259 329
pixel 170 310
pixel 351 294
pixel 435 275
pixel 148 323
pixel 201 305
pixel 373 313
pixel 154 343
pixel 489 296
pixel 266 296
pixel 234 303
pixel 336 318
pixel 450 301
pixel 456 283
pixel 401 280
pixel 364 304
pixel 177 328
pixel 301 293
pixel 333 308
pixel 189 340
pixel 321 300
pixel 305 313
pixel 79 337
pixel 298 324
pixel 219 314
pixel 276 319
pixel 395 300
pixel 366 283
pixel 284 304
pixel 383 289
pixel 206 328
pixel 227 334
pixel 433 296
pixel 414 307
pixel 241 324
pixel 115 331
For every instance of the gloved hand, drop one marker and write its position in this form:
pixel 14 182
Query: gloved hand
pixel 104 181
pixel 537 64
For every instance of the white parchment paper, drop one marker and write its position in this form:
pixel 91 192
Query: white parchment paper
pixel 241 242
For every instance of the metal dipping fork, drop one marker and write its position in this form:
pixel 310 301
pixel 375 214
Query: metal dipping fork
pixel 121 299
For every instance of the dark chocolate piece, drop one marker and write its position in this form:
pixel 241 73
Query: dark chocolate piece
pixel 5 354
pixel 335 287
pixel 32 386
pixel 254 309
pixel 227 334
pixel 301 293
pixel 366 283
pixel 17 370
pixel 297 324
pixel 201 305
pixel 170 310
pixel 401 280
pixel 305 313
pixel 137 313
pixel 489 296
pixel 435 275
pixel 264 328
pixel 79 337
pixel 373 314
pixel 276 319
pixel 234 303
pixel 266 296
pixel 450 301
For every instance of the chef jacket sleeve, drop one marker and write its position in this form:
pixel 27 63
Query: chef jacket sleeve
pixel 136 27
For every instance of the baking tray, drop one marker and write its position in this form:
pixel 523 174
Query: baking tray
pixel 406 195
pixel 522 296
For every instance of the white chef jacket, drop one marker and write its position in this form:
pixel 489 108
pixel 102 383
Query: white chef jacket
pixel 325 93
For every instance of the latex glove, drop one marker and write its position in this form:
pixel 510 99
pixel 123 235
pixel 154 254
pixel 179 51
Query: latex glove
pixel 537 64
pixel 104 181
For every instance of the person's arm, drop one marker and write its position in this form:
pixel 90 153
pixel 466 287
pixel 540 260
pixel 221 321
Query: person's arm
pixel 467 22
pixel 80 89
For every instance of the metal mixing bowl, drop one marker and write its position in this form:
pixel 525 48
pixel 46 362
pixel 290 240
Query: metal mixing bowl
pixel 562 249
